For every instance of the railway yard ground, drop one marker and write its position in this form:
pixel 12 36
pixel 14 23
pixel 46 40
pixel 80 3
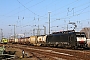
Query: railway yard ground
pixel 45 53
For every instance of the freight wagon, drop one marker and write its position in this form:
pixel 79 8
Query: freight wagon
pixel 22 40
pixel 41 40
pixel 27 41
pixel 16 41
pixel 38 40
pixel 10 40
pixel 33 40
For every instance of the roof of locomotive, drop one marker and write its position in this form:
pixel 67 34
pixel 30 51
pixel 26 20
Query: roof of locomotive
pixel 67 32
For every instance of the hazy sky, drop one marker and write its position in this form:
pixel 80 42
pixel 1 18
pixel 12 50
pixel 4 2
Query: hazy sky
pixel 26 15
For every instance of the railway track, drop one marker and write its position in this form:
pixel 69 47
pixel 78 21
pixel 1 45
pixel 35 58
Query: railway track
pixel 48 53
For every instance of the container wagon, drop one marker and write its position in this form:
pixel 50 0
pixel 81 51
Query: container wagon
pixel 33 40
pixel 22 40
pixel 27 40
pixel 16 40
pixel 41 40
pixel 38 40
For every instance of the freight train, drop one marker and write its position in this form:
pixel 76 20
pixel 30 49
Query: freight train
pixel 65 39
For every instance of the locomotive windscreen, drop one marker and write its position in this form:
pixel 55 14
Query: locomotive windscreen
pixel 80 35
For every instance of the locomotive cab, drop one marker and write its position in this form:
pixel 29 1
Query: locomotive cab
pixel 81 40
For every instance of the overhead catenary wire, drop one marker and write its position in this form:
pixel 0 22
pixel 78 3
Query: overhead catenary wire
pixel 74 14
pixel 73 8
pixel 31 6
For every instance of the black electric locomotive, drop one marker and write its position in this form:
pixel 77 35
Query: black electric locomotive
pixel 67 39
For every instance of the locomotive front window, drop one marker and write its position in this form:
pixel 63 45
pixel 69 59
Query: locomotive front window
pixel 80 35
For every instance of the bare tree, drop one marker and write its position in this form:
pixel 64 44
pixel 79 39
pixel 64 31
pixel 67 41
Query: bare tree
pixel 87 31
